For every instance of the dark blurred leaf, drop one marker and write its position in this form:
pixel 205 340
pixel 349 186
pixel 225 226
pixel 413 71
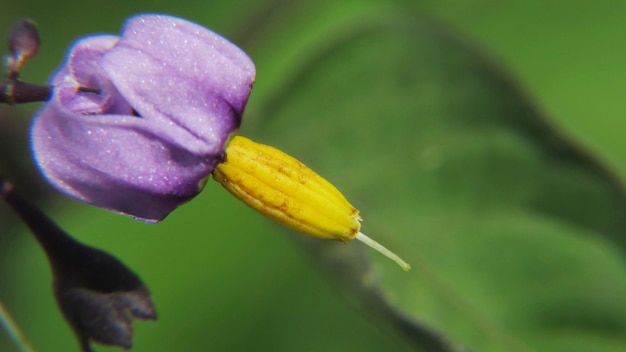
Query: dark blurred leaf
pixel 97 294
pixel 511 229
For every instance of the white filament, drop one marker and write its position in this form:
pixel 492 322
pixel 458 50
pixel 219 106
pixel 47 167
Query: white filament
pixel 384 251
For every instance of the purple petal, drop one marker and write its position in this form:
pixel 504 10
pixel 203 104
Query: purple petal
pixel 189 87
pixel 188 79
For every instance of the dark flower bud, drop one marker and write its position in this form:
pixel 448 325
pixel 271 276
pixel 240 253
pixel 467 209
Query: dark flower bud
pixel 23 44
pixel 96 293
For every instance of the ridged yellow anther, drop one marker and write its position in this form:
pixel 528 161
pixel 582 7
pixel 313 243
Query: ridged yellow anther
pixel 287 191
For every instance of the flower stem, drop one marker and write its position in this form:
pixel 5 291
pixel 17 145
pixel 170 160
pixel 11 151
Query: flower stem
pixel 13 91
pixel 14 330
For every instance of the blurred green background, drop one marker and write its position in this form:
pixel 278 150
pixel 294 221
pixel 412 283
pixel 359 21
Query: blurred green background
pixel 482 140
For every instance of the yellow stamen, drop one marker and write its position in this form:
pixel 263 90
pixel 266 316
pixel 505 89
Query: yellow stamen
pixel 287 191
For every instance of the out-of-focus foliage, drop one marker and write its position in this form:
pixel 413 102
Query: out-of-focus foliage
pixel 515 234
pixel 509 227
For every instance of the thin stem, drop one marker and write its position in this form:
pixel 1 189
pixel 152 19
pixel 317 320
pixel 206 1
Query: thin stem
pixel 14 330
pixel 384 251
pixel 13 91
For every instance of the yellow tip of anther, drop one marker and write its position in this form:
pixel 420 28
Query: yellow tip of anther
pixel 384 251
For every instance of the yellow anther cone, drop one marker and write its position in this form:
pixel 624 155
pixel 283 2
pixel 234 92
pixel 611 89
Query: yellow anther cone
pixel 287 191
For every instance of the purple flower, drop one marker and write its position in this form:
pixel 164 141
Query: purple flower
pixel 137 123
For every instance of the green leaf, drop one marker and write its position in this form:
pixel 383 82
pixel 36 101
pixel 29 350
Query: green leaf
pixel 515 234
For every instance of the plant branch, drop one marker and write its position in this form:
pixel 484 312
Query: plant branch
pixel 14 331
pixel 13 91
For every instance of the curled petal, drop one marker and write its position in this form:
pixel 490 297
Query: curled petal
pixel 178 73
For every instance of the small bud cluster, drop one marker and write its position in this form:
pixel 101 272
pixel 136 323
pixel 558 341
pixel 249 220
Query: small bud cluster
pixel 23 44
